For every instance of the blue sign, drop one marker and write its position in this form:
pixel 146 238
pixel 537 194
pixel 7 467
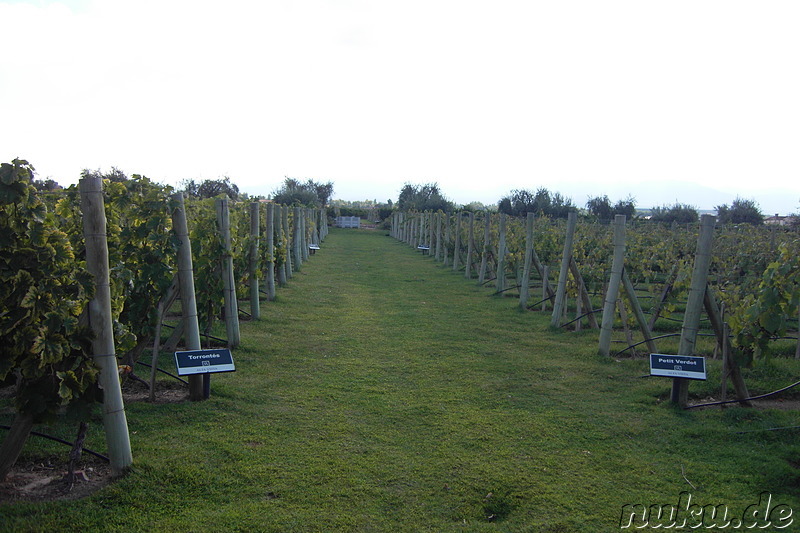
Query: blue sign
pixel 203 362
pixel 677 366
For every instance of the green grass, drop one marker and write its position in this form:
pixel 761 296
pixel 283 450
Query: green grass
pixel 383 392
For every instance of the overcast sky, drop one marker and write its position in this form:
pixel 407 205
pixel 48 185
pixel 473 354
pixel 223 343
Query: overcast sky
pixel 581 97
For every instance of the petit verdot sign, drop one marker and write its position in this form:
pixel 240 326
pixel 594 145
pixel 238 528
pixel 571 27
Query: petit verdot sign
pixel 677 366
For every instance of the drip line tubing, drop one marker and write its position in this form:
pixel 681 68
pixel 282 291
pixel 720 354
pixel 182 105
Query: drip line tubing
pixel 760 396
pixel 163 371
pixel 62 441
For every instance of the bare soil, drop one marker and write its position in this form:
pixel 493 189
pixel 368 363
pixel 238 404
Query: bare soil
pixel 46 480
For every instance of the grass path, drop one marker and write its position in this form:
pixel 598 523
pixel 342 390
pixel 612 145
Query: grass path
pixel 383 392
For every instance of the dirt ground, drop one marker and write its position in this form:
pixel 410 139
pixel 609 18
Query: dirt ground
pixel 46 480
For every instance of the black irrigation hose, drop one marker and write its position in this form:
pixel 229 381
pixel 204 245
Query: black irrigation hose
pixel 505 290
pixel 661 337
pixel 164 372
pixel 580 317
pixel 62 441
pixel 746 399
pixel 540 302
pixel 700 334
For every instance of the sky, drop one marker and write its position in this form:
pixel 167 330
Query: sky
pixel 694 101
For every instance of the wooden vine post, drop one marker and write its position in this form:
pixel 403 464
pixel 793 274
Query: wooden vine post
pixel 500 277
pixel 323 224
pixel 524 284
pixel 448 238
pixel 421 229
pixel 438 253
pixel 431 231
pixel 316 231
pixel 487 227
pixel 694 304
pixel 229 285
pixel 638 313
pixel 470 246
pixel 457 245
pixel 559 305
pixel 255 305
pixel 297 243
pixel 287 237
pixel 189 321
pixel 94 230
pixel 305 231
pixel 270 228
pixel 617 263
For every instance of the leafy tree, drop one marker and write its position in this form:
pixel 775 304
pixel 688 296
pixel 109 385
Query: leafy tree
pixel 427 197
pixel 211 188
pixel 600 207
pixel 741 211
pixel 324 192
pixel 476 207
pixel 561 206
pixel 114 175
pixel 46 185
pixel 680 213
pixel 542 202
pixel 626 206
pixel 308 194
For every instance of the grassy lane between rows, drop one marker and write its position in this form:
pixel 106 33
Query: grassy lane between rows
pixel 383 392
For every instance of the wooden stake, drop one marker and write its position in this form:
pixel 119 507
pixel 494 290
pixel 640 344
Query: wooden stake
pixel 583 293
pixel 638 314
pixel 487 223
pixel 500 275
pixel 561 289
pixel 270 251
pixel 189 323
pixel 524 284
pixel 470 246
pixel 255 296
pixel 288 239
pixel 163 306
pixel 457 245
pixel 228 280
pixel 100 320
pixel 718 325
pixel 694 304
pixel 607 323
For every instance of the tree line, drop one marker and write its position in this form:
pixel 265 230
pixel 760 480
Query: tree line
pixel 518 202
pixel 429 197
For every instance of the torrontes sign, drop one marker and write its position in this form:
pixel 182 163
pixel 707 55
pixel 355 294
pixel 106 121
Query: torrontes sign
pixel 677 366
pixel 203 362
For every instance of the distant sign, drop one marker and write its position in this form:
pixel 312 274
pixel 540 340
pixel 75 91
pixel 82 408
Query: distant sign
pixel 677 366
pixel 203 362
